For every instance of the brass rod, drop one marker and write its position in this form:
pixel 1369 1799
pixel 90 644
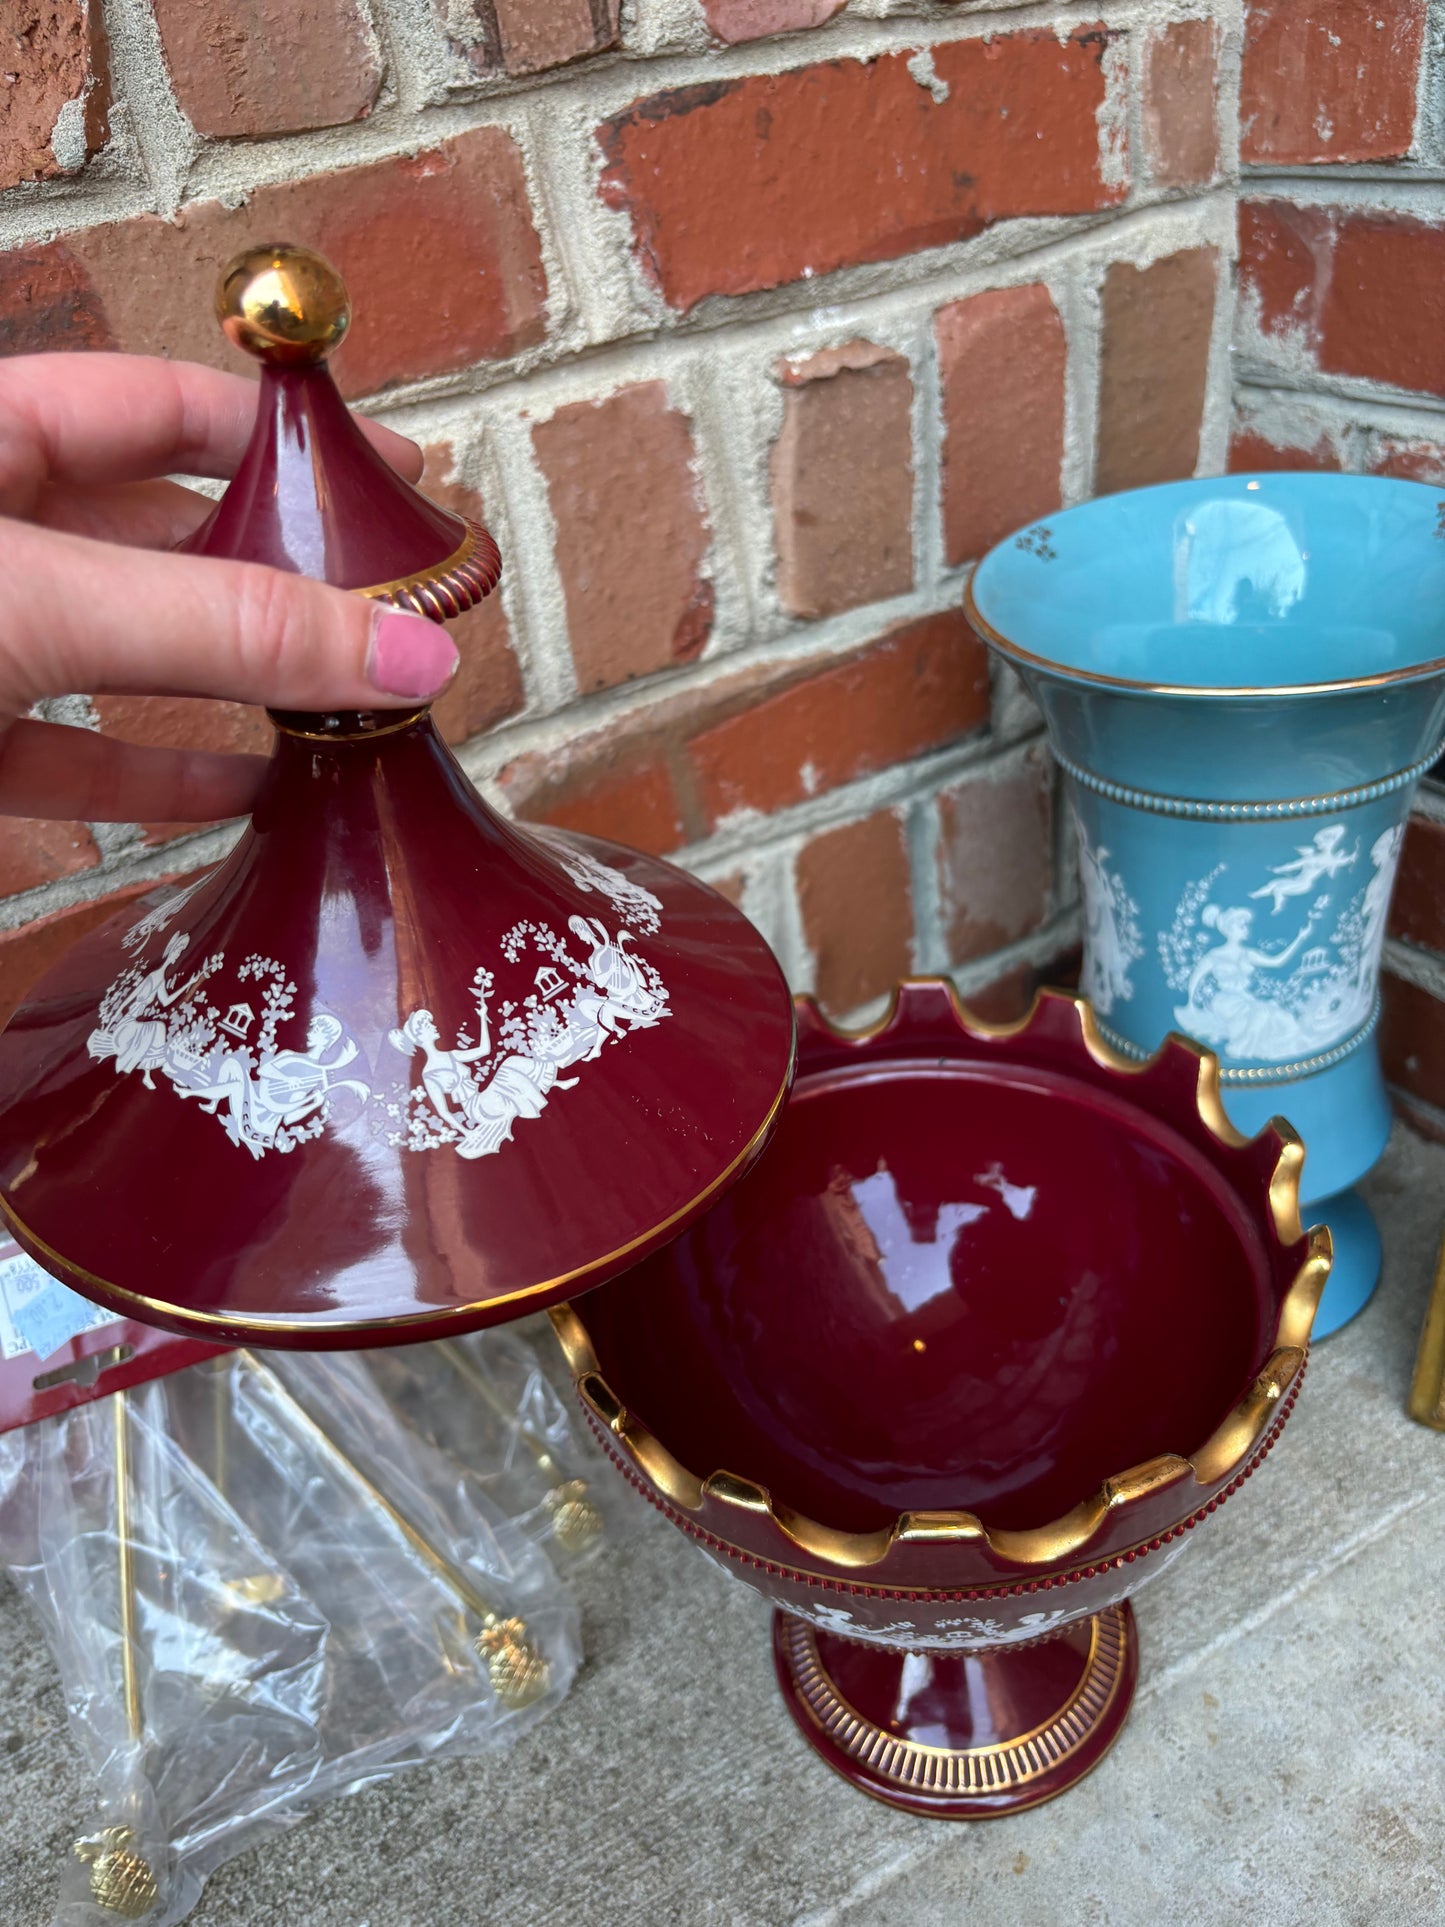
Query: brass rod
pixel 457 1580
pixel 461 1362
pixel 519 1671
pixel 125 1560
pixel 576 1520
pixel 1427 1391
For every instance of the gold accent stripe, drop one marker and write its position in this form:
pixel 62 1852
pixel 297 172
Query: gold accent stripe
pixel 157 1310
pixel 439 571
pixel 396 722
pixel 913 1767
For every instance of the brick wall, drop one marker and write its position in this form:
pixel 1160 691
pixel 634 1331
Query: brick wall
pixel 747 325
pixel 1340 347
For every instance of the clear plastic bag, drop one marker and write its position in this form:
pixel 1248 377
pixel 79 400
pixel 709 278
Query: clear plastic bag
pixel 487 1404
pixel 193 1664
pixel 263 1590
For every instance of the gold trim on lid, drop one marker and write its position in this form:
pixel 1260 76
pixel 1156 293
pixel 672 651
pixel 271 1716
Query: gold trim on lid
pixel 450 587
pixel 216 1326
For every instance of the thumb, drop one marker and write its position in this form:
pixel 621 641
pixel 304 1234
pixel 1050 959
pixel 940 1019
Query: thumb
pixel 91 616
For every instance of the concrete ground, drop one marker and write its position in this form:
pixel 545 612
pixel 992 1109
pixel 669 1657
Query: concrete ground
pixel 1284 1762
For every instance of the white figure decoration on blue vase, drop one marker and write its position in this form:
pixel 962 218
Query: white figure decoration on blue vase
pixel 1258 999
pixel 1111 929
pixel 1324 857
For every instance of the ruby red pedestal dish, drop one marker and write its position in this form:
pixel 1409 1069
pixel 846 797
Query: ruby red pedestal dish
pixel 994 1323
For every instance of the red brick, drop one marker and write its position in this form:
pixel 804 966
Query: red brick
pixel 1251 452
pixel 631 533
pixel 1011 996
pixel 27 953
pixel 1181 103
pixel 919 687
pixel 536 34
pixel 55 85
pixel 842 476
pixel 857 907
pixel 249 67
pixel 736 185
pixel 1408 461
pixel 1412 1039
pixel 488 685
pixel 1382 314
pixel 1153 366
pixel 438 250
pixel 1283 252
pixel 1365 292
pixel 1417 912
pixel 995 855
pixel 1329 80
pixel 528 36
pixel 615 783
pixel 733 20
pixel 184 722
pixel 1002 359
pixel 34 852
pixel 46 301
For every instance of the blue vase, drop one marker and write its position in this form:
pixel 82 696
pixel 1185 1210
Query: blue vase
pixel 1244 680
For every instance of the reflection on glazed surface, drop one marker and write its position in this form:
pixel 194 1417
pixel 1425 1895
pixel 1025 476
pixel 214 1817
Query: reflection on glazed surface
pixel 1236 582
pixel 942 1290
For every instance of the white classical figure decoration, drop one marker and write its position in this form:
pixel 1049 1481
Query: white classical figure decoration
pixel 1263 1000
pixel 1111 922
pixel 265 1097
pixel 217 1047
pixel 472 1092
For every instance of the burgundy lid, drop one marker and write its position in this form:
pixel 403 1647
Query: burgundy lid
pixel 311 494
pixel 396 1067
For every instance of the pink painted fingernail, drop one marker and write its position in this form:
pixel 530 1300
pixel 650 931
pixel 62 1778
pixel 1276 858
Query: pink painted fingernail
pixel 410 656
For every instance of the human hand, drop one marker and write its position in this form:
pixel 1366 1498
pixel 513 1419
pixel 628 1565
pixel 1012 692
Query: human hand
pixel 90 600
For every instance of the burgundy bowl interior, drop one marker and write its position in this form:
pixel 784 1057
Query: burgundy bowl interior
pixel 947 1285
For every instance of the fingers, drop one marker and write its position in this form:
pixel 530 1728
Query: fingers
pixel 82 615
pixel 49 769
pixel 145 515
pixel 88 419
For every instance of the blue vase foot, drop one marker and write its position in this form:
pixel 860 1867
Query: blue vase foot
pixel 1356 1270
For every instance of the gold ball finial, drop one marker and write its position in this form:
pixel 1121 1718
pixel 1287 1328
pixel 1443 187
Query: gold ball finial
pixel 284 305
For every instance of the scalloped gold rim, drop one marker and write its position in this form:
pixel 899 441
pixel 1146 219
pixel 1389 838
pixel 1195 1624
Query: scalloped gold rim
pixel 1210 1464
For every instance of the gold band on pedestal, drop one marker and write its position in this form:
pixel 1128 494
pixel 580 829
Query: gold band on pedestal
pixel 963 1772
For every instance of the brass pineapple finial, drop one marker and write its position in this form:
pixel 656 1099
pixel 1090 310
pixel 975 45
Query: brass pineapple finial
pixel 519 1672
pixel 121 1880
pixel 576 1520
